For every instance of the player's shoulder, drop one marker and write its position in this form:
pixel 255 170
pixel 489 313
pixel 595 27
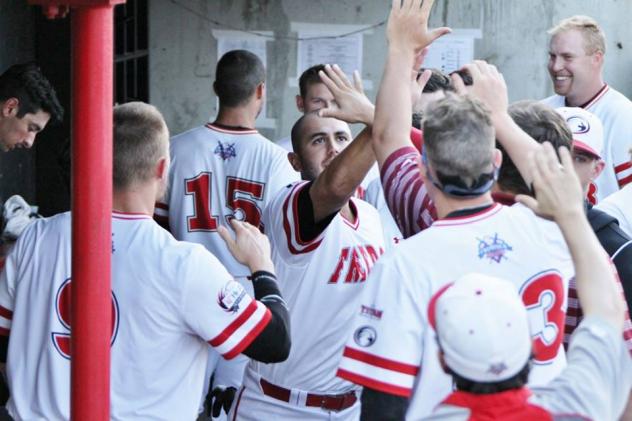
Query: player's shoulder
pixel 553 101
pixel 54 225
pixel 615 98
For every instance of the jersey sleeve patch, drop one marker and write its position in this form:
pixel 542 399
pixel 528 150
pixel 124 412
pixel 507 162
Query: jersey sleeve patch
pixel 291 221
pixel 250 318
pixel 377 373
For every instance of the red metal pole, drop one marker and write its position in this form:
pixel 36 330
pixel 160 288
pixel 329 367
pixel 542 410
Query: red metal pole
pixel 92 62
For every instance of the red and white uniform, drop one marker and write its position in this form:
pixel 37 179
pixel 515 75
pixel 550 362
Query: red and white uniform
pixel 615 112
pixel 393 347
pixel 321 281
pixel 217 174
pixel 169 299
pixel 619 205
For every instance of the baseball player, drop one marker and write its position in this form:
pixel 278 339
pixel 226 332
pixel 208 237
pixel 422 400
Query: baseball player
pixel 619 205
pixel 225 170
pixel 482 327
pixel 313 96
pixel 576 55
pixel 545 124
pixel 459 167
pixel 170 299
pixel 27 103
pixel 324 244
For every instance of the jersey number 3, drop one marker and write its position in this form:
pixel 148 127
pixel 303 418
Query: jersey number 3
pixel 241 197
pixel 61 340
pixel 543 296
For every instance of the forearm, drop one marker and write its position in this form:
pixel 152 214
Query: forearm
pixel 337 183
pixel 393 109
pixel 595 277
pixel 273 343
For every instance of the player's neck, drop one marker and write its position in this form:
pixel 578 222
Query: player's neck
pixel 587 95
pixel 236 117
pixel 137 199
pixel 445 204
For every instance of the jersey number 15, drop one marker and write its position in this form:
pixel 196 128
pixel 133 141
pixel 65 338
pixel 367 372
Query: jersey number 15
pixel 241 197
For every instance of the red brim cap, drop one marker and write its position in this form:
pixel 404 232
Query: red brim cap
pixel 578 144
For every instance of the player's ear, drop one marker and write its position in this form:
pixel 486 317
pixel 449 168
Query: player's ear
pixel 295 161
pixel 598 168
pixel 10 107
pixel 300 105
pixel 260 90
pixel 498 158
pixel 598 58
pixel 162 168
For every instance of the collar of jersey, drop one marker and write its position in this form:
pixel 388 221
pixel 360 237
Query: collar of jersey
pixel 130 215
pixel 464 216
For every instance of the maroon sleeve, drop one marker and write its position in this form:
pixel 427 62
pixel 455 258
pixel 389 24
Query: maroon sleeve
pixel 405 192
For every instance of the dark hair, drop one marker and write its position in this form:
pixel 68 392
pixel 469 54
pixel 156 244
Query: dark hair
pixel 543 124
pixel 481 388
pixel 33 91
pixel 297 131
pixel 237 75
pixel 309 77
pixel 465 76
pixel 438 82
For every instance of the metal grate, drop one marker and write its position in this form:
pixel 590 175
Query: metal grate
pixel 131 52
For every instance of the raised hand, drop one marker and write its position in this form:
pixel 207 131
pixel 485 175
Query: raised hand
pixel 250 247
pixel 353 104
pixel 408 25
pixel 558 192
pixel 488 86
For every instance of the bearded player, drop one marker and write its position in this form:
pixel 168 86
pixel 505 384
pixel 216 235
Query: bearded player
pixel 324 244
pixel 170 299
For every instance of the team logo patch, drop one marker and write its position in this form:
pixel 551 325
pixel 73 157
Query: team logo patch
pixel 365 336
pixel 225 151
pixel 493 248
pixel 578 124
pixel 370 312
pixel 497 369
pixel 230 296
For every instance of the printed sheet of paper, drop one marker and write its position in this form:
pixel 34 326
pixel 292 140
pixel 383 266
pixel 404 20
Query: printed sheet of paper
pixel 452 51
pixel 345 52
pixel 329 48
pixel 234 40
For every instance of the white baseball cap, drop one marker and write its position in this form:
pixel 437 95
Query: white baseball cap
pixel 586 128
pixel 482 328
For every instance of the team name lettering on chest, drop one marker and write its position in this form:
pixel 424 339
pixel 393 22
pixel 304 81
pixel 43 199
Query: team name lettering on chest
pixel 355 263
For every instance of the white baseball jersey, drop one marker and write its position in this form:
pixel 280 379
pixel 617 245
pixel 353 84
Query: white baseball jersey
pixel 375 196
pixel 169 299
pixel 321 281
pixel 615 112
pixel 393 347
pixel 217 174
pixel 619 205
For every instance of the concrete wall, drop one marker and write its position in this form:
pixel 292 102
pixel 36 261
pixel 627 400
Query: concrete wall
pixel 183 51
